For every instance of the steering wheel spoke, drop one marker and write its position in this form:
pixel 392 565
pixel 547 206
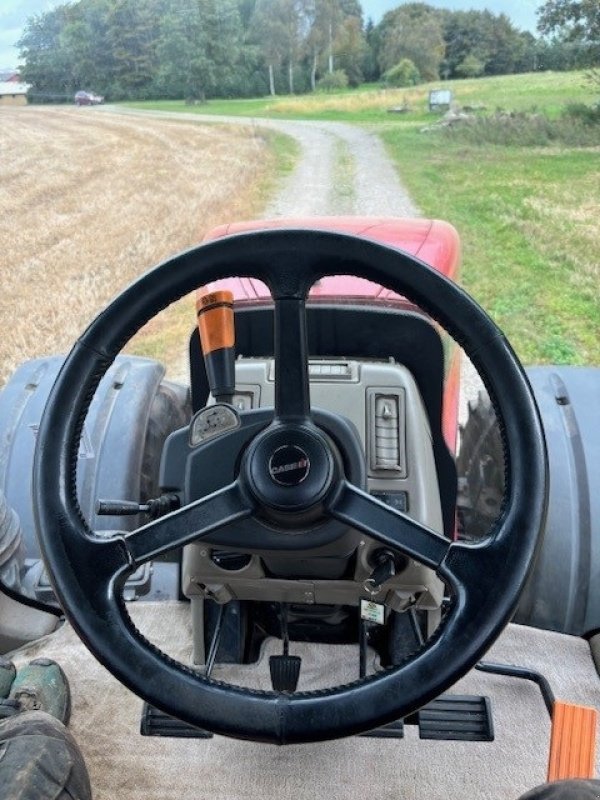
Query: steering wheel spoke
pixel 390 527
pixel 292 393
pixel 188 524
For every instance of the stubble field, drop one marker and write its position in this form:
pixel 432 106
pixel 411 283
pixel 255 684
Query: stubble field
pixel 89 201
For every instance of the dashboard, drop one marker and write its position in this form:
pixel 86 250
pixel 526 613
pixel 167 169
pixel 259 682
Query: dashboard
pixel 380 402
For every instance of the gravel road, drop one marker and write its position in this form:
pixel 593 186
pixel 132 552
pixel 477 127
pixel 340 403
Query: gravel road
pixel 328 148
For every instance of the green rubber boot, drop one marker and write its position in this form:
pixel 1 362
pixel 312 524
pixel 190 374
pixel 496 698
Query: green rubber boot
pixel 7 676
pixel 43 686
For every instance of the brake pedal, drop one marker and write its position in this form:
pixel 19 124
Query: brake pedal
pixel 285 669
pixel 285 672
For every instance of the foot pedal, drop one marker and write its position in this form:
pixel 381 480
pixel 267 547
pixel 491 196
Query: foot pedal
pixel 157 723
pixel 285 672
pixel 394 730
pixel 572 742
pixel 465 718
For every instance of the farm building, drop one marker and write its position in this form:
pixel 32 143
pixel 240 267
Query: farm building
pixel 13 94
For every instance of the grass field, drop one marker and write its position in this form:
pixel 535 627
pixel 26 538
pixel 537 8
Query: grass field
pixel 529 220
pixel 89 201
pixel 547 90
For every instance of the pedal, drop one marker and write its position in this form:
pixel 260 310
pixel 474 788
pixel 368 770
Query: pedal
pixel 465 718
pixel 572 742
pixel 157 723
pixel 285 672
pixel 394 730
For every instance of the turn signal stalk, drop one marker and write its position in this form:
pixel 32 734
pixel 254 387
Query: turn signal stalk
pixel 217 337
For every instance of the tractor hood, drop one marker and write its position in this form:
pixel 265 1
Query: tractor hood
pixel 433 241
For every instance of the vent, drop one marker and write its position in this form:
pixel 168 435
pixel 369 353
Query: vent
pixel 327 371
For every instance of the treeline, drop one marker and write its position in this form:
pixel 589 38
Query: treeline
pixel 198 49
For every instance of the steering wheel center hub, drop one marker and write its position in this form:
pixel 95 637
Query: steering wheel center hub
pixel 289 465
pixel 290 468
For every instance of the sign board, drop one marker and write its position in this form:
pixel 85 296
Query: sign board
pixel 440 99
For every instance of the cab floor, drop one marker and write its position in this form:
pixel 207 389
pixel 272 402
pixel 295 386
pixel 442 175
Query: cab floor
pixel 122 764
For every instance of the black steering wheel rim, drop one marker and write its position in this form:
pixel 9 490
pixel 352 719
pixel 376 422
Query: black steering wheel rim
pixel 487 578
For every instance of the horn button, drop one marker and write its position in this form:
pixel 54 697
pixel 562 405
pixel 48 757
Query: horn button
pixel 290 469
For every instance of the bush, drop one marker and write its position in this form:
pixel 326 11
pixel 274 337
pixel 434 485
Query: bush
pixel 522 130
pixel 590 115
pixel 333 81
pixel 405 73
pixel 471 67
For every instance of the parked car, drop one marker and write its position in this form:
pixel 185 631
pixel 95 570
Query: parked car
pixel 88 99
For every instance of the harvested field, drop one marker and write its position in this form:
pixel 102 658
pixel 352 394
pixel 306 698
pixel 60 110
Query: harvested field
pixel 89 201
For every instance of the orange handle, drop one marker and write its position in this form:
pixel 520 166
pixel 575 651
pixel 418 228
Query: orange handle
pixel 215 320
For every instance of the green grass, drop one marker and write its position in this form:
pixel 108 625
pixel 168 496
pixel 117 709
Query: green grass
pixel 529 220
pixel 286 151
pixel 344 170
pixel 547 90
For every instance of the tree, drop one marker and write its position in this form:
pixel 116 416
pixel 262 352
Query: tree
pixel 132 31
pixel 268 32
pixel 506 46
pixel 403 74
pixel 190 48
pixel 471 67
pixel 46 65
pixel 334 38
pixel 291 17
pixel 570 19
pixel 413 31
pixel 328 18
pixel 198 49
pixel 350 50
pixel 370 65
pixel 576 21
pixel 490 39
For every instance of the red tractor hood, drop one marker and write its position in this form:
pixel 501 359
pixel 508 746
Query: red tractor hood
pixel 432 241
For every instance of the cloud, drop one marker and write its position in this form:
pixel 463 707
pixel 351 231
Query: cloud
pixel 9 54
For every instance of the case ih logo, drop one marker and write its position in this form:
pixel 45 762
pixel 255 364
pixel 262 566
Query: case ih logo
pixel 289 465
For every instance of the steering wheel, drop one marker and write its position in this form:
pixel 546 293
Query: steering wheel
pixel 486 578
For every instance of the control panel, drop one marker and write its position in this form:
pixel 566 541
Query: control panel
pixel 382 400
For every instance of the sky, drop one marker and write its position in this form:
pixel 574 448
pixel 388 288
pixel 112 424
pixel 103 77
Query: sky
pixel 521 12
pixel 13 14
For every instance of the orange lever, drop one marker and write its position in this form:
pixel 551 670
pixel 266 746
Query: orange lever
pixel 215 319
pixel 217 338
